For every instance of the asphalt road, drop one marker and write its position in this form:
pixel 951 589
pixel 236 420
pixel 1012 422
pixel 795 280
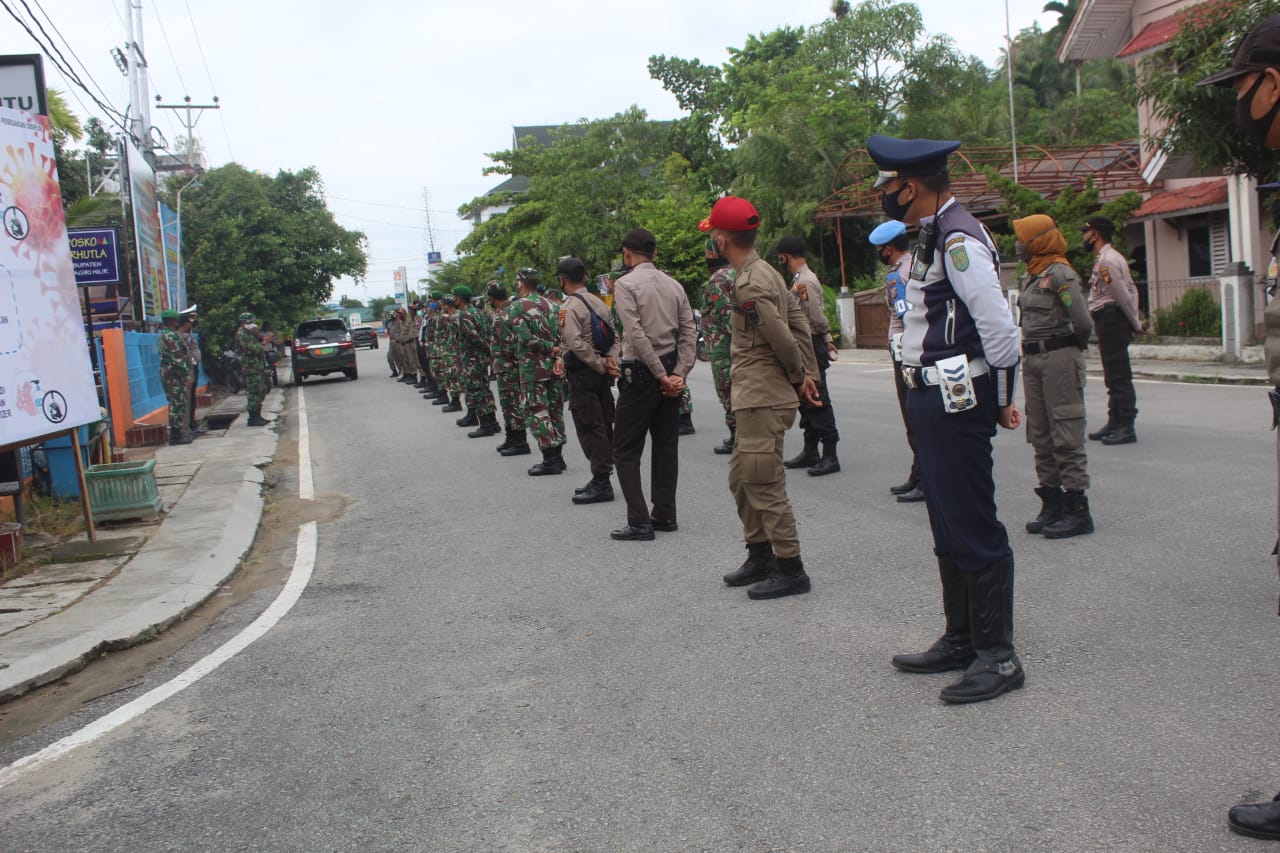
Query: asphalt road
pixel 477 666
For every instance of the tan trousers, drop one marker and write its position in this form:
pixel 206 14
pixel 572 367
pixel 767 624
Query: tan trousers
pixel 758 481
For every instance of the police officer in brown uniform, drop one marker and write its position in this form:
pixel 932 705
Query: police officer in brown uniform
pixel 819 424
pixel 1055 333
pixel 772 374
pixel 590 374
pixel 659 341
pixel 1255 76
pixel 1113 304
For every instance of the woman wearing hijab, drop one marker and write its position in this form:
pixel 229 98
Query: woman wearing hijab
pixel 1055 333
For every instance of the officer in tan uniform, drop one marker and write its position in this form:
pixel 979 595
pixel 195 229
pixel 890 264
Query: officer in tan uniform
pixel 772 373
pixel 1113 304
pixel 819 424
pixel 589 372
pixel 1055 333
pixel 1255 76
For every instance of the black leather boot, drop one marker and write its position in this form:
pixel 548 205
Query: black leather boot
pixel 996 669
pixel 455 405
pixel 725 446
pixel 910 485
pixel 599 490
pixel 1107 429
pixel 1050 508
pixel 469 419
pixel 829 463
pixel 442 398
pixel 506 442
pixel 1256 820
pixel 788 578
pixel 686 424
pixel 954 649
pixel 760 563
pixel 1075 519
pixel 519 445
pixel 808 456
pixel 255 417
pixel 1123 434
pixel 488 426
pixel 549 464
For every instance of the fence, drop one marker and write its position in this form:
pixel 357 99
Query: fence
pixel 146 392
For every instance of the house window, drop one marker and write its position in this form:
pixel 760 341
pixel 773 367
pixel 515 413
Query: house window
pixel 1207 245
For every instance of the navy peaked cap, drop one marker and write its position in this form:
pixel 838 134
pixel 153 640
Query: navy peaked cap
pixel 909 158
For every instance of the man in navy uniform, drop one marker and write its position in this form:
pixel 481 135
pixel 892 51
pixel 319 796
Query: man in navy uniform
pixel 960 362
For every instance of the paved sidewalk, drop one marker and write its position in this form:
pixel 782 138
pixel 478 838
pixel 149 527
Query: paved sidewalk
pixel 68 613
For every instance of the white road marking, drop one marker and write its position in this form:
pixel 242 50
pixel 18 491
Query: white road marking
pixel 304 563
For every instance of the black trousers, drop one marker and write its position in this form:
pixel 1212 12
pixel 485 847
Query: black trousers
pixel 956 469
pixel 643 410
pixel 820 423
pixel 191 398
pixel 1114 335
pixel 902 390
pixel 591 405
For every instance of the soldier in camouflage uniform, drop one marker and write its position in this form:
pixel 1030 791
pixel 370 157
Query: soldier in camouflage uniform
pixel 507 367
pixel 476 332
pixel 176 372
pixel 428 350
pixel 533 318
pixel 717 326
pixel 449 349
pixel 253 358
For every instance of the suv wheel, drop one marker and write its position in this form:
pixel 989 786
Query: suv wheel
pixel 352 372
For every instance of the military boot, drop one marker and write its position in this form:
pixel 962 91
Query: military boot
pixel 1107 429
pixel 255 417
pixel 787 578
pixel 1050 508
pixel 808 457
pixel 829 463
pixel 686 424
pixel 996 668
pixel 954 649
pixel 1075 519
pixel 599 490
pixel 726 446
pixel 519 445
pixel 549 464
pixel 180 438
pixel 488 426
pixel 454 405
pixel 760 563
pixel 506 442
pixel 1122 434
pixel 469 419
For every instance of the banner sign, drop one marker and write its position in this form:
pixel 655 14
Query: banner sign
pixel 171 228
pixel 22 83
pixel 146 226
pixel 46 379
pixel 95 255
pixel 434 259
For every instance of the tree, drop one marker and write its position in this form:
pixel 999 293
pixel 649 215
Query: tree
pixel 350 302
pixel 263 244
pixel 1200 121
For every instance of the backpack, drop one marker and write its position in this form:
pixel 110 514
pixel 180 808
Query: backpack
pixel 602 334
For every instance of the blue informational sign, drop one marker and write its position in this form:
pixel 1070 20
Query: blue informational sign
pixel 434 258
pixel 95 255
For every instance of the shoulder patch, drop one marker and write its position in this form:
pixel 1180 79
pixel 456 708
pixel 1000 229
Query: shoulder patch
pixel 959 256
pixel 563 312
pixel 954 241
pixel 802 291
pixel 1105 272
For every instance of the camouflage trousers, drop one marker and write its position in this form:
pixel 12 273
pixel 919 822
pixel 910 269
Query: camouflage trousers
pixel 256 384
pixel 720 377
pixel 176 390
pixel 509 397
pixel 544 409
pixel 475 384
pixel 686 402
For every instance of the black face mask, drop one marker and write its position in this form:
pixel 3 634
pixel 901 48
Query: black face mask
pixel 714 264
pixel 886 258
pixel 1089 244
pixel 1256 129
pixel 892 204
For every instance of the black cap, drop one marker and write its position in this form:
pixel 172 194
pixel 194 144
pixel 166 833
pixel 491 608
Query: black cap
pixel 909 158
pixel 570 266
pixel 1101 224
pixel 791 245
pixel 641 241
pixel 528 274
pixel 1257 51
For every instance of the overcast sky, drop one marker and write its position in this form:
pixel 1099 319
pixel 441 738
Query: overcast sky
pixel 390 97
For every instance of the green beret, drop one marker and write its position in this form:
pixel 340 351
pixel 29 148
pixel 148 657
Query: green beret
pixel 448 299
pixel 168 314
pixel 462 291
pixel 435 294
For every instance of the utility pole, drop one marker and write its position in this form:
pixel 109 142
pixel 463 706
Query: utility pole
pixel 1008 60
pixel 140 126
pixel 190 122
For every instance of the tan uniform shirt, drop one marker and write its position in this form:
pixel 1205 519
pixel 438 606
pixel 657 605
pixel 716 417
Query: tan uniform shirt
pixel 806 290
pixel 1052 305
pixel 575 329
pixel 656 319
pixel 1112 284
pixel 771 350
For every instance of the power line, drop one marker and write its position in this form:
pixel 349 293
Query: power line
pixel 169 45
pixel 72 51
pixel 209 76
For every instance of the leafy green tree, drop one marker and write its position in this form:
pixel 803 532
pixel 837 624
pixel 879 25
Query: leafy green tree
pixel 1200 121
pixel 350 302
pixel 269 245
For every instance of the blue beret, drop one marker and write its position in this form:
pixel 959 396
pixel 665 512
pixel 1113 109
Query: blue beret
pixel 886 232
pixel 908 158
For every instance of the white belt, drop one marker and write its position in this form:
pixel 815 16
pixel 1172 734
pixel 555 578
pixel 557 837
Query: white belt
pixel 916 377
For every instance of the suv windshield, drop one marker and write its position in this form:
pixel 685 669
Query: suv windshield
pixel 322 331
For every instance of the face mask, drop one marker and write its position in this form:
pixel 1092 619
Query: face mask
pixel 1022 252
pixel 1255 129
pixel 714 264
pixel 1089 244
pixel 892 204
pixel 886 258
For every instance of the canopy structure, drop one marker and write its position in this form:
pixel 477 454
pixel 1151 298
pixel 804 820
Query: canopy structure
pixel 1114 167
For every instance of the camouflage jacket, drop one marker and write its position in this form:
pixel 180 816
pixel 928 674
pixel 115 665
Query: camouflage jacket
pixel 504 341
pixel 474 331
pixel 533 319
pixel 249 345
pixel 175 360
pixel 717 308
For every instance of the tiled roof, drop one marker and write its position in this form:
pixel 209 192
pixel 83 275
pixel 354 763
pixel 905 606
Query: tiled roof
pixel 1153 35
pixel 1206 195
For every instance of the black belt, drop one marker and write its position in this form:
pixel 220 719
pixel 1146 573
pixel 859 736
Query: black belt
pixel 1037 347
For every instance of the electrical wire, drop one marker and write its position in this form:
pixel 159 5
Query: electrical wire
pixel 169 45
pixel 209 76
pixel 71 50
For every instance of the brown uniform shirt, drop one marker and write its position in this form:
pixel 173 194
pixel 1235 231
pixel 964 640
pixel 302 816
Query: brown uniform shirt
pixel 771 349
pixel 575 329
pixel 1052 305
pixel 1112 284
pixel 806 290
pixel 656 319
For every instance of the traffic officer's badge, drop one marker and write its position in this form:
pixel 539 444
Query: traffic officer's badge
pixel 1105 272
pixel 959 257
pixel 802 291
